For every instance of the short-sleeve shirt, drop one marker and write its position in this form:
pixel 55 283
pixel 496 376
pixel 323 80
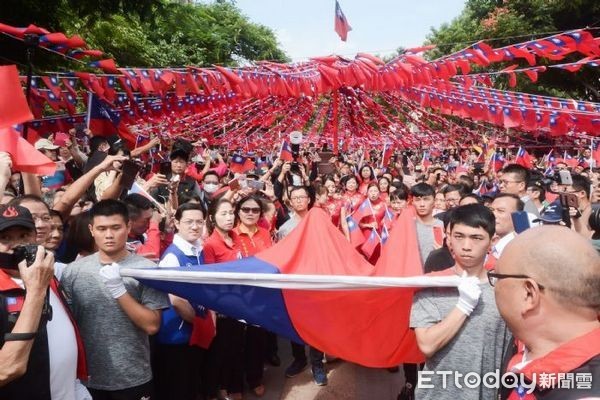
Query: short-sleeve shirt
pixel 216 250
pixel 118 352
pixel 426 238
pixel 477 347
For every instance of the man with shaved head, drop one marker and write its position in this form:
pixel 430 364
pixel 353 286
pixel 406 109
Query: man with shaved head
pixel 547 285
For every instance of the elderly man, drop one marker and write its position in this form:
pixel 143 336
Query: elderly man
pixel 547 286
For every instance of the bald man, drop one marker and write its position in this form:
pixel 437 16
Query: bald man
pixel 547 286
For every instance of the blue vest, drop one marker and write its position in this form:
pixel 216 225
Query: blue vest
pixel 173 329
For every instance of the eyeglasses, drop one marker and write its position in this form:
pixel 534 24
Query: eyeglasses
pixel 248 210
pixel 494 277
pixel 298 198
pixel 190 222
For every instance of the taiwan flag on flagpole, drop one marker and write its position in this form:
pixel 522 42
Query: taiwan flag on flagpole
pixel 497 162
pixel 365 208
pixel 104 121
pixel 386 155
pixel 370 244
pixel 524 159
pixel 426 162
pixel 341 23
pixel 240 164
pixel 285 153
pixel 356 236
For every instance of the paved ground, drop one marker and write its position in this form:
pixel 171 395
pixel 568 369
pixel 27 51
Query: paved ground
pixel 346 381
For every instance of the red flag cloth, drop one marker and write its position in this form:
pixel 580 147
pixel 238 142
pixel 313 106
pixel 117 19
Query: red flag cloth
pixel 25 157
pixel 285 153
pixel 356 236
pixel 341 23
pixel 107 65
pixel 524 159
pixel 104 121
pixel 13 105
pixel 376 332
pixel 204 331
pixel 370 245
pixel 388 150
pixel 240 164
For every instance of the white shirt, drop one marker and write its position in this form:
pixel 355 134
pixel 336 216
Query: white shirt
pixel 501 244
pixel 62 349
pixel 189 249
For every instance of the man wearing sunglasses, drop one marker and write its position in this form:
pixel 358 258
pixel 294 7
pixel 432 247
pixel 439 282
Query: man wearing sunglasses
pixel 460 330
pixel 547 286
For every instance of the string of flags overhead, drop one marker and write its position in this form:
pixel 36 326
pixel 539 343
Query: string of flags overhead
pixel 336 100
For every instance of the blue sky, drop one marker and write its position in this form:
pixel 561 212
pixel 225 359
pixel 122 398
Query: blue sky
pixel 305 28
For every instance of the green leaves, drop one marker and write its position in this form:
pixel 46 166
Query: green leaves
pixel 150 33
pixel 500 21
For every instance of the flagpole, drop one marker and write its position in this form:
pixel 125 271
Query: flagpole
pixel 89 108
pixel 31 41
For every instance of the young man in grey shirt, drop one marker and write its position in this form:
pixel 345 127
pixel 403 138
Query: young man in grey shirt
pixel 115 315
pixel 423 196
pixel 460 330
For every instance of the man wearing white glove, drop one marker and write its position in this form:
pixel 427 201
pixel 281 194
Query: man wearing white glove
pixel 115 314
pixel 460 329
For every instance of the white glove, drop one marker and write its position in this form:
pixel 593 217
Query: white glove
pixel 468 294
pixel 111 276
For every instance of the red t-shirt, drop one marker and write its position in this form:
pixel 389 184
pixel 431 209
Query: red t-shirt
pixel 250 245
pixel 217 251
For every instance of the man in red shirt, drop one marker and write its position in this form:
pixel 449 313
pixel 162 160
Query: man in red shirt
pixel 547 285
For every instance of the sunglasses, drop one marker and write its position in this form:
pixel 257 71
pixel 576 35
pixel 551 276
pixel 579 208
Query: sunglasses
pixel 248 210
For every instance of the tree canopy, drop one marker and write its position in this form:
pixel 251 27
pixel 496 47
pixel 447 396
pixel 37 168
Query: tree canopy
pixel 504 22
pixel 150 33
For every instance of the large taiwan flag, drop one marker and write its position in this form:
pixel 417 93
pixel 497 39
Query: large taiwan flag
pixel 310 287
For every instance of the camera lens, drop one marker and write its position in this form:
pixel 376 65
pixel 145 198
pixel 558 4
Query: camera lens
pixel 594 220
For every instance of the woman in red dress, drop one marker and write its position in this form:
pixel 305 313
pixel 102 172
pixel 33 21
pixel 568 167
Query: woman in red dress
pixel 366 177
pixel 351 197
pixel 333 202
pixel 374 218
pixel 384 189
pixel 251 239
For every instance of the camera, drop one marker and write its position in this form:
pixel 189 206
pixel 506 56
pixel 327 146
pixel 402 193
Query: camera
pixel 295 167
pixel 25 252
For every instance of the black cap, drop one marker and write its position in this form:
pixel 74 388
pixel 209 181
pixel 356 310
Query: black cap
pixel 181 149
pixel 15 216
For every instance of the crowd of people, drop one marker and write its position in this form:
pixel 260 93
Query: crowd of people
pixel 74 328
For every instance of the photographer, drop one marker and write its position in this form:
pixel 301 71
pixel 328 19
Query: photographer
pixel 40 347
pixel 580 215
pixel 174 172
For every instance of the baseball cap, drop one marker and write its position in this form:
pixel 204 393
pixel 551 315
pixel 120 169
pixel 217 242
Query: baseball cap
pixel 552 214
pixel 45 144
pixel 15 216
